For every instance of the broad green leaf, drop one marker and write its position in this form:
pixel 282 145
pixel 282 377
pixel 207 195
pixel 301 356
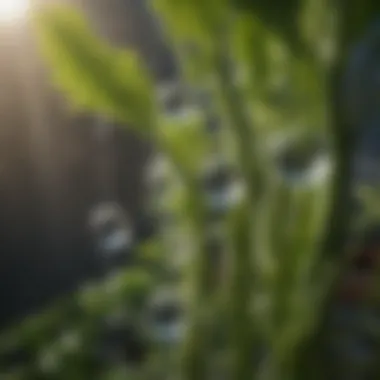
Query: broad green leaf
pixel 95 76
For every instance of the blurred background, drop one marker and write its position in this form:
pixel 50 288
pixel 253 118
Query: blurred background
pixel 66 181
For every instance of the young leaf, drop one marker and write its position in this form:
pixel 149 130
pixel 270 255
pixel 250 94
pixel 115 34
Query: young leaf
pixel 95 76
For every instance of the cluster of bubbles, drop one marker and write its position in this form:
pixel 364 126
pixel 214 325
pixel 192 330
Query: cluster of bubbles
pixel 222 190
pixel 111 229
pixel 299 161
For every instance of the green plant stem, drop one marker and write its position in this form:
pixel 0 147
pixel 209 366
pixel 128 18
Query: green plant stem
pixel 240 298
pixel 240 125
pixel 332 250
pixel 194 359
pixel 241 265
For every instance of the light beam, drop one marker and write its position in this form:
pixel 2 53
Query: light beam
pixel 13 10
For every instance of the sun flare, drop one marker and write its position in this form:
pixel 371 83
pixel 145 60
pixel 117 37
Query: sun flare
pixel 12 10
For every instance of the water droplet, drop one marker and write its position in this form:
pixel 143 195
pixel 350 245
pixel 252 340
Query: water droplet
pixel 223 188
pixel 171 95
pixel 171 333
pixel 158 173
pixel 111 229
pixel 302 163
pixel 182 102
pixel 167 317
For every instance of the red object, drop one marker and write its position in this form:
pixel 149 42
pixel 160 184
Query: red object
pixel 357 284
pixel 355 287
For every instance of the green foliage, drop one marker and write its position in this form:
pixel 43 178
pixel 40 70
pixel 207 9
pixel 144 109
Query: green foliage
pixel 96 76
pixel 191 27
pixel 259 306
pixel 64 340
pixel 184 139
pixel 279 16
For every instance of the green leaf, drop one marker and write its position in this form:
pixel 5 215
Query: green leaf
pixel 95 76
pixel 192 20
pixel 183 137
pixel 129 287
pixel 193 28
pixel 279 16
